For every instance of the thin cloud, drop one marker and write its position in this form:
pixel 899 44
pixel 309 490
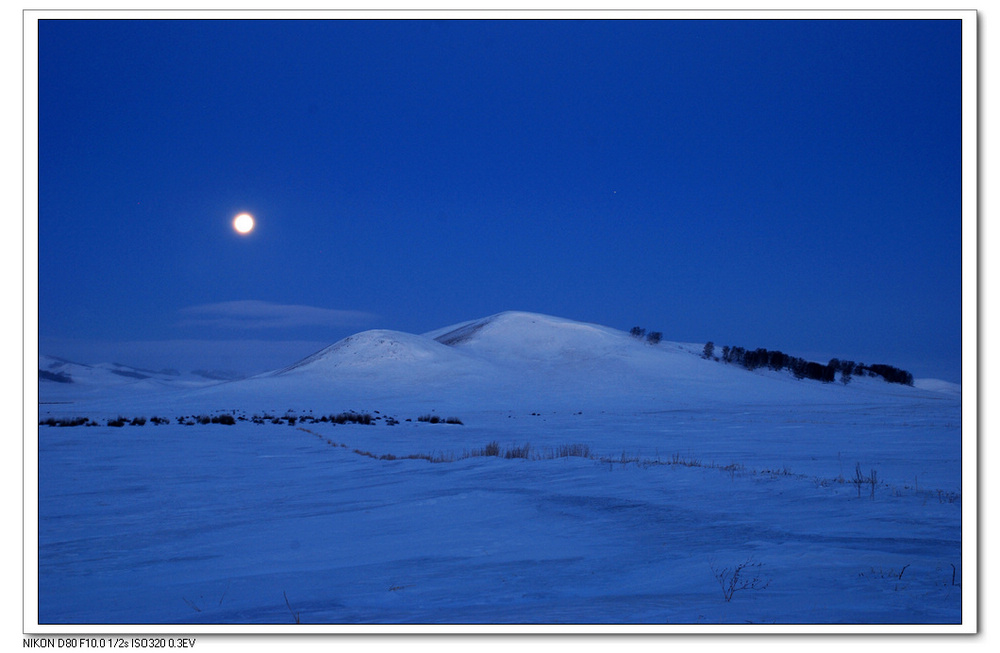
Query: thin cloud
pixel 256 314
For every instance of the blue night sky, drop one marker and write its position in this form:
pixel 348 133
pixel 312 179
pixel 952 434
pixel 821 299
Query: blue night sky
pixel 786 184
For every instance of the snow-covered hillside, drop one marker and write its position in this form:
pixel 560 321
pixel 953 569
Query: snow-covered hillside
pixel 61 381
pixel 594 478
pixel 513 360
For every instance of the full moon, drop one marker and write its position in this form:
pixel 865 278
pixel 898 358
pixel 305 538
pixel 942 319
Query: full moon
pixel 243 223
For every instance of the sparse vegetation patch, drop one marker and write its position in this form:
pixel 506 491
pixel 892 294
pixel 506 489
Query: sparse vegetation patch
pixel 349 417
pixel 518 452
pixel 492 449
pixel 435 419
pixel 745 575
pixel 573 450
pixel 860 480
pixel 75 421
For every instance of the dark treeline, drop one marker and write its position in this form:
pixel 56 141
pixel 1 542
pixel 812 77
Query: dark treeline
pixel 803 369
pixel 891 374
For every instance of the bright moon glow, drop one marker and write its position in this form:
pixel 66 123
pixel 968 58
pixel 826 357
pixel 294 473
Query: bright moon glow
pixel 243 223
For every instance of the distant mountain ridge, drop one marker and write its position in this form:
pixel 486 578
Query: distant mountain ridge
pixel 61 370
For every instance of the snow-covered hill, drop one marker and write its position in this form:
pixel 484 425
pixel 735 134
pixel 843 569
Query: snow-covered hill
pixel 516 360
pixel 508 361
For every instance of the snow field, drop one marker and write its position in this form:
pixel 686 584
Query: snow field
pixel 844 503
pixel 217 524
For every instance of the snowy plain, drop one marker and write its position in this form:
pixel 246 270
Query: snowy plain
pixel 631 480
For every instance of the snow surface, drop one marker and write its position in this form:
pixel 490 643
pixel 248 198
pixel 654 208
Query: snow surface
pixel 681 467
